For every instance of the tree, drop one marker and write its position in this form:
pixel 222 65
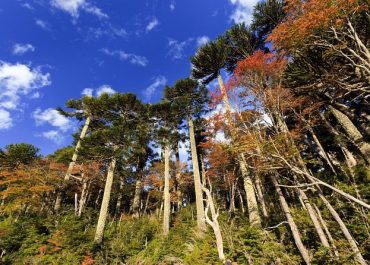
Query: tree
pixel 207 65
pixel 17 154
pixel 189 99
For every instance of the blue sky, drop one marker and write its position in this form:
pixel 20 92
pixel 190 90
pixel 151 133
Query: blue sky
pixel 54 50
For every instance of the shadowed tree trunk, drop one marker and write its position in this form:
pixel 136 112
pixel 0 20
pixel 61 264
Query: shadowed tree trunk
pixel 58 201
pixel 352 132
pixel 166 191
pixel 83 198
pixel 293 227
pixel 197 181
pixel 105 203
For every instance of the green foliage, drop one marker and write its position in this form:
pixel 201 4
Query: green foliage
pixel 16 154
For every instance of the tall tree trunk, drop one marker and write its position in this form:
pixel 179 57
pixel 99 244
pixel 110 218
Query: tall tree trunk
pixel 314 218
pixel 322 151
pixel 83 197
pixel 352 132
pixel 58 201
pixel 293 227
pixel 105 203
pixel 166 191
pixel 326 229
pixel 356 252
pixel 197 181
pixel 261 198
pixel 137 199
pixel 119 199
pixel 254 217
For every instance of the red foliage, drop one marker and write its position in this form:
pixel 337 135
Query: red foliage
pixel 306 17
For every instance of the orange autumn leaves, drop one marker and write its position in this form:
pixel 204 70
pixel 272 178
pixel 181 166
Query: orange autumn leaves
pixel 305 18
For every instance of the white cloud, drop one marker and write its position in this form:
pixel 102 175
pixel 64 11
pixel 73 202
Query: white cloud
pixel 19 49
pixel 105 89
pixel 243 10
pixel 176 48
pixel 18 80
pixel 124 56
pixel 28 6
pixel 202 40
pixel 152 88
pixel 173 5
pixel 52 117
pixel 152 24
pixel 87 92
pixel 106 30
pixel 5 120
pixel 42 24
pixel 73 8
pixel 53 135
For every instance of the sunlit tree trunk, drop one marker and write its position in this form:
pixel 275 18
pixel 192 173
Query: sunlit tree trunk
pixel 214 223
pixel 83 198
pixel 59 198
pixel 137 199
pixel 293 227
pixel 105 203
pixel 356 252
pixel 166 191
pixel 254 217
pixel 197 181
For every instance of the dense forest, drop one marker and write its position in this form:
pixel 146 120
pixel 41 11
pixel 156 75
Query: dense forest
pixel 278 168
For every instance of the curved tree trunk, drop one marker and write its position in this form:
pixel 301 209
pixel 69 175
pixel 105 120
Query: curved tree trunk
pixel 105 203
pixel 197 181
pixel 58 201
pixel 293 227
pixel 166 191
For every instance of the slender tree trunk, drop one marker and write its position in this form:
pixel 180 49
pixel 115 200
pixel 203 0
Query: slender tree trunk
pixel 261 198
pixel 137 199
pixel 58 201
pixel 314 218
pixel 293 227
pixel 146 203
pixel 197 181
pixel 83 197
pixel 322 151
pixel 326 229
pixel 241 201
pixel 119 199
pixel 166 191
pixel 344 229
pixel 76 204
pixel 105 203
pixel 254 217
pixel 352 132
pixel 214 223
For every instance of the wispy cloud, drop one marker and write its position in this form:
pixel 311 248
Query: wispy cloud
pixel 130 57
pixel 176 48
pixel 73 7
pixel 152 88
pixel 243 10
pixel 42 24
pixel 52 117
pixel 55 136
pixel 202 40
pixel 172 5
pixel 19 49
pixel 152 24
pixel 104 89
pixel 6 121
pixel 18 81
